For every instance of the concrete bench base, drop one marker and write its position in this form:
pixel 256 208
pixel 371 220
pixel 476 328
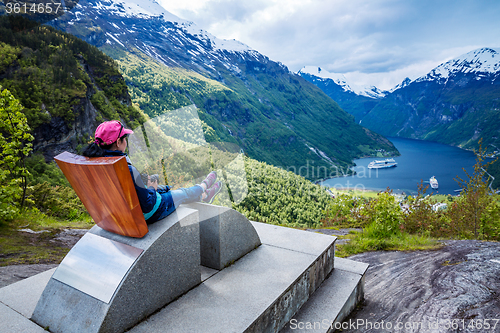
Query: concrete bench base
pixel 167 268
pixel 225 235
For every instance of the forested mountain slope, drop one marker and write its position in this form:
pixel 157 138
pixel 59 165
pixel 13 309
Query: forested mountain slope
pixel 456 103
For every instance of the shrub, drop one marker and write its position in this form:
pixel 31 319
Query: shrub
pixel 57 201
pixel 475 212
pixel 419 217
pixel 384 216
pixel 344 210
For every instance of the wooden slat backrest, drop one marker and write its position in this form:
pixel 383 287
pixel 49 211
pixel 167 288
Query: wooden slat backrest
pixel 105 187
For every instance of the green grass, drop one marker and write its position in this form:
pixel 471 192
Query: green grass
pixel 37 221
pixel 359 243
pixel 24 248
pixel 19 247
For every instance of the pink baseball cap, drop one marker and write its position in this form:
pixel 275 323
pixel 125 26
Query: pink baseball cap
pixel 110 131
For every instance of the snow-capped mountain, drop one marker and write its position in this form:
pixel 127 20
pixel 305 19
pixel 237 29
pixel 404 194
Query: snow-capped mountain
pixel 483 63
pixel 148 27
pixel 455 103
pixel 339 79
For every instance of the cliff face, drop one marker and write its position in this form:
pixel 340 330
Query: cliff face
pixel 57 135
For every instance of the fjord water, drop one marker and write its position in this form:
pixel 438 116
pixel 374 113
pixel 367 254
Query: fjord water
pixel 419 160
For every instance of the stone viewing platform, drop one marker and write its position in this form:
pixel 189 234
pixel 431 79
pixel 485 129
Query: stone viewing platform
pixel 202 269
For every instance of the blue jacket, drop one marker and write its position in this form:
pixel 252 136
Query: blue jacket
pixel 149 198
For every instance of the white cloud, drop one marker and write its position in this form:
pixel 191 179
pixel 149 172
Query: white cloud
pixel 377 42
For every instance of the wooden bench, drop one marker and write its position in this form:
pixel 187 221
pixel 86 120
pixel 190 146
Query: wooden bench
pixel 106 189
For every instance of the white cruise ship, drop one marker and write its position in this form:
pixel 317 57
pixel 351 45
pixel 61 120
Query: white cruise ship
pixel 387 163
pixel 434 183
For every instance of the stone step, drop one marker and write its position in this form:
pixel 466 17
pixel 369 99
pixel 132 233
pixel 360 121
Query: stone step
pixel 258 293
pixel 333 301
pixel 22 296
pixel 18 301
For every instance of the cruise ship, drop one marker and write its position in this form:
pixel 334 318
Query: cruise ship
pixel 434 183
pixel 387 163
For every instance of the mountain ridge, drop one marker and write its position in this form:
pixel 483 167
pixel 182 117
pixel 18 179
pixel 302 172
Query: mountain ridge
pixel 143 23
pixel 477 62
pixel 339 79
pixel 455 103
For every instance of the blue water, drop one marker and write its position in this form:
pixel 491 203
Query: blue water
pixel 419 160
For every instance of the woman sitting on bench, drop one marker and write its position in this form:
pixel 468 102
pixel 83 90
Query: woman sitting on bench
pixel 111 140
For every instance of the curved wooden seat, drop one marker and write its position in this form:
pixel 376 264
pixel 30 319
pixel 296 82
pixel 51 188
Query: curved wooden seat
pixel 106 188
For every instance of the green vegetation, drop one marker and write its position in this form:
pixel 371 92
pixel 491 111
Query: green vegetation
pixel 261 192
pixel 494 170
pixel 280 197
pixel 53 73
pixel 26 248
pixel 402 242
pixel 276 118
pixel 413 223
pixel 47 74
pixel 35 248
pixel 15 146
pixel 29 197
pixel 50 206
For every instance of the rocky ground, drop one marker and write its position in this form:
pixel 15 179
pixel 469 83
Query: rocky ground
pixel 14 273
pixel 453 289
pixel 334 232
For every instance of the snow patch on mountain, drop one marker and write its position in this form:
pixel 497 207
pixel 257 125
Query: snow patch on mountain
pixel 482 62
pixel 134 8
pixel 150 9
pixel 340 79
pixel 406 82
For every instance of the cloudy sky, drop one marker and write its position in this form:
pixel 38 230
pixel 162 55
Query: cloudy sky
pixel 377 42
